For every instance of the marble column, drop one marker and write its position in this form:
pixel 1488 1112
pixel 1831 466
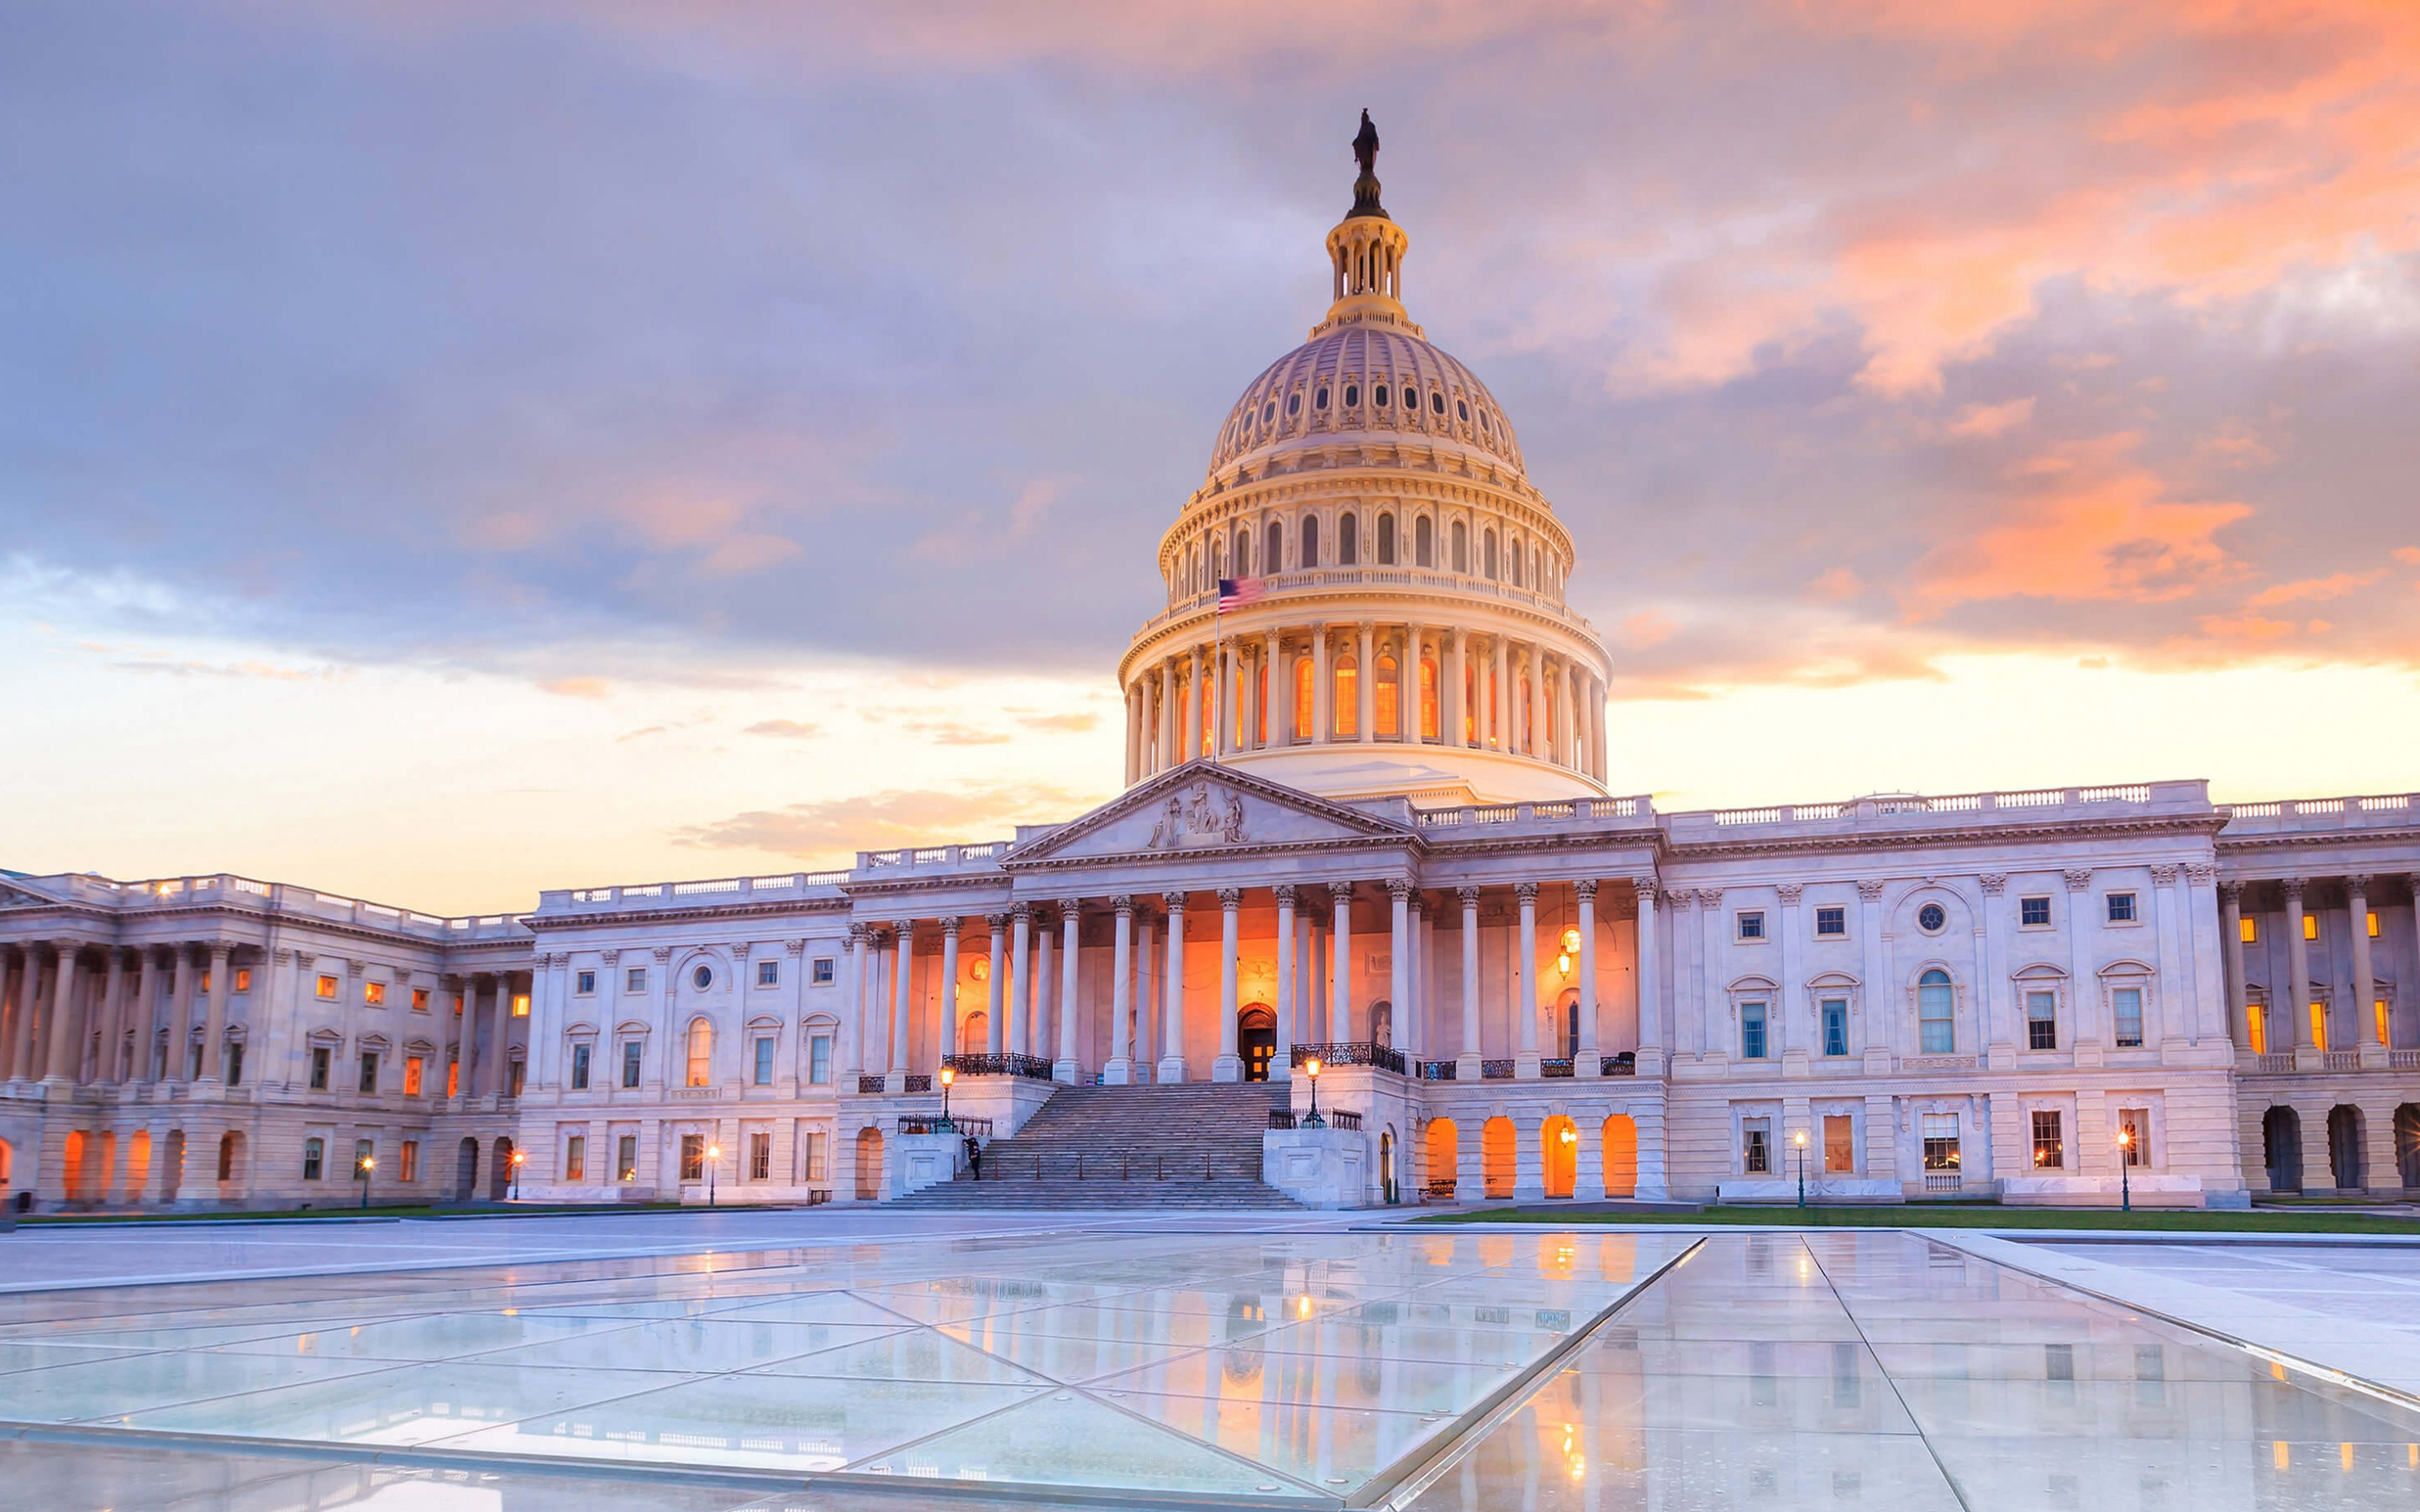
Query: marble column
pixel 948 1010
pixel 1281 700
pixel 1229 1067
pixel 1168 715
pixel 1172 1056
pixel 2082 928
pixel 1398 958
pixel 214 1034
pixel 1411 702
pixel 1525 1005
pixel 1289 997
pixel 903 979
pixel 1456 693
pixel 1365 686
pixel 1134 734
pixel 995 1033
pixel 1536 745
pixel 175 1062
pixel 2295 1000
pixel 58 1062
pixel 472 1063
pixel 2231 920
pixel 1020 971
pixel 2364 979
pixel 140 1016
pixel 1999 1009
pixel 109 1021
pixel 1466 1065
pixel 1119 1070
pixel 1339 964
pixel 1197 687
pixel 1795 1038
pixel 851 1049
pixel 24 989
pixel 1590 1063
pixel 1651 982
pixel 2170 995
pixel 1068 1066
pixel 1499 699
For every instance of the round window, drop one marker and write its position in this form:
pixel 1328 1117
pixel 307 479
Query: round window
pixel 1352 394
pixel 702 976
pixel 1378 395
pixel 1931 917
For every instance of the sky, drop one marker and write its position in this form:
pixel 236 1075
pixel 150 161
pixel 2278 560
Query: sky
pixel 449 450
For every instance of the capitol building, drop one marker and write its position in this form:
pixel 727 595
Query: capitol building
pixel 1368 825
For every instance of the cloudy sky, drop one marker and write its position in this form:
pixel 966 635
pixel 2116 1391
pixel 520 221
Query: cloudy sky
pixel 451 448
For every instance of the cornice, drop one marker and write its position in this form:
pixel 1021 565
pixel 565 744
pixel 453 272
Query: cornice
pixel 561 923
pixel 1410 843
pixel 2284 840
pixel 268 922
pixel 1363 480
pixel 2182 825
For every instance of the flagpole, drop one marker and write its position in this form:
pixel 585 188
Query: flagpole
pixel 1218 670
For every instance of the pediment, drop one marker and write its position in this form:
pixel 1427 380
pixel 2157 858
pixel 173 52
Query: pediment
pixel 1205 808
pixel 16 895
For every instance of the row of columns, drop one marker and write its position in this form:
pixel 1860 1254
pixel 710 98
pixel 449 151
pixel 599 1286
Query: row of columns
pixel 2296 1000
pixel 1479 703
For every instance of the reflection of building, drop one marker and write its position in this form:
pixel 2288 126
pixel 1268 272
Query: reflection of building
pixel 1367 812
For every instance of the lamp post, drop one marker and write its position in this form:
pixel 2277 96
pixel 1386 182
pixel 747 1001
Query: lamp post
pixel 713 1159
pixel 1800 1140
pixel 949 1075
pixel 521 1158
pixel 2125 1181
pixel 368 1164
pixel 1312 1119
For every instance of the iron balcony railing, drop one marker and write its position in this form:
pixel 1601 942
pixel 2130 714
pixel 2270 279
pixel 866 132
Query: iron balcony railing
pixel 1352 1053
pixel 1032 1068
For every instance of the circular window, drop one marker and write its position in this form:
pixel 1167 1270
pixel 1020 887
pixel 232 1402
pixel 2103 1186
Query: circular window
pixel 1319 401
pixel 1436 404
pixel 1462 411
pixel 1352 394
pixel 1931 917
pixel 1293 404
pixel 702 978
pixel 1378 395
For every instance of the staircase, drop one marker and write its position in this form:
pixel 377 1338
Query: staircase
pixel 1185 1145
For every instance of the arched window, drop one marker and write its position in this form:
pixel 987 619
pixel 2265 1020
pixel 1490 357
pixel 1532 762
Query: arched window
pixel 1261 701
pixel 1273 549
pixel 1348 539
pixel 1461 547
pixel 1386 540
pixel 1310 557
pixel 1378 395
pixel 1243 551
pixel 1487 553
pixel 1303 690
pixel 1387 717
pixel 1218 559
pixel 1423 542
pixel 1347 695
pixel 1293 404
pixel 1512 550
pixel 1352 395
pixel 1319 400
pixel 1938 1034
pixel 700 1053
pixel 1428 698
pixel 1537 576
pixel 1197 569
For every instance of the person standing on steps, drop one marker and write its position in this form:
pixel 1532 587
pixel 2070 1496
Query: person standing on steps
pixel 974 1156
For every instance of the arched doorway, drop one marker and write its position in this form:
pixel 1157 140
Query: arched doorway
pixel 1621 1156
pixel 230 1161
pixel 1444 1161
pixel 2344 1147
pixel 869 1164
pixel 1256 1041
pixel 138 1165
pixel 2407 1145
pixel 1558 1153
pixel 1496 1156
pixel 172 1165
pixel 975 1035
pixel 466 1171
pixel 499 1171
pixel 72 1174
pixel 2281 1144
pixel 8 1165
pixel 1387 1167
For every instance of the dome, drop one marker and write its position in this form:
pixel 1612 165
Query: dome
pixel 1352 381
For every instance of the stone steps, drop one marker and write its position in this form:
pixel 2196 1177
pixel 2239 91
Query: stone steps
pixel 1185 1144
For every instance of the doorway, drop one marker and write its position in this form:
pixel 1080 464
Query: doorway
pixel 500 1173
pixel 1256 1040
pixel 466 1171
pixel 2281 1139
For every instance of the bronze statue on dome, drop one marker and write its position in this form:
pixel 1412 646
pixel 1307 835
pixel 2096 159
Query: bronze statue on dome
pixel 1365 188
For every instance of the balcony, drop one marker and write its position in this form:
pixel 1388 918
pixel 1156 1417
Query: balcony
pixel 1888 814
pixel 713 892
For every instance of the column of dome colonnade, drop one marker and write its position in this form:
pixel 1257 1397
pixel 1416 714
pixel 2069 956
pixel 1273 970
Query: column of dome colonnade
pixel 1166 987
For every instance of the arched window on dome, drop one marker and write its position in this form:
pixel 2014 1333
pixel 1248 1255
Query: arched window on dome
pixel 1423 542
pixel 1309 542
pixel 1304 691
pixel 1346 698
pixel 1512 550
pixel 1386 540
pixel 1537 580
pixel 1352 395
pixel 1319 400
pixel 1461 547
pixel 1348 539
pixel 1462 411
pixel 1243 550
pixel 1437 402
pixel 1487 553
pixel 1428 696
pixel 1273 549
pixel 1219 558
pixel 1378 395
pixel 1293 404
pixel 1387 717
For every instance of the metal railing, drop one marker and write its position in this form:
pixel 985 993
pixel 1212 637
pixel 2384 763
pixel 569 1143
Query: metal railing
pixel 1557 1068
pixel 1623 1064
pixel 1334 1118
pixel 1433 1071
pixel 1495 1070
pixel 919 1083
pixel 869 1085
pixel 1352 1053
pixel 1032 1068
pixel 924 1123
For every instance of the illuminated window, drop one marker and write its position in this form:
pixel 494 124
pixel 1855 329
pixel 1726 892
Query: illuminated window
pixel 692 1157
pixel 2050 1147
pixel 420 999
pixel 2255 1026
pixel 2310 926
pixel 407 1158
pixel 626 1158
pixel 373 993
pixel 2136 1124
pixel 701 1050
pixel 1839 1143
pixel 1303 693
pixel 243 974
pixel 2379 1008
pixel 1941 1148
pixel 1756 1146
pixel 2320 1027
pixel 1348 697
pixel 2249 929
pixel 453 1076
pixel 412 1068
pixel 521 1005
pixel 328 987
pixel 1428 699
pixel 575 1158
pixel 2366 913
pixel 1389 711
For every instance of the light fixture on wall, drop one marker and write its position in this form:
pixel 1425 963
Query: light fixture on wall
pixel 982 970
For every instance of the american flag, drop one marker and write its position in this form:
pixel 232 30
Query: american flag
pixel 1234 592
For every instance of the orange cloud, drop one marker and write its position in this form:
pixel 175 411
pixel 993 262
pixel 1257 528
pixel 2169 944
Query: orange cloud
pixel 1982 422
pixel 2335 585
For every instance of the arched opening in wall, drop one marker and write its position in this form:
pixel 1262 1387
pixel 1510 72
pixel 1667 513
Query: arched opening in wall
pixel 869 1164
pixel 1386 1165
pixel 1559 1150
pixel 1497 1156
pixel 1621 1156
pixel 138 1165
pixel 1442 1158
pixel 1386 540
pixel 1423 542
pixel 1523 736
pixel 700 1053
pixel 172 1165
pixel 1346 698
pixel 1243 550
pixel 1936 1032
pixel 8 1165
pixel 1304 691
pixel 1310 557
pixel 1382 1023
pixel 71 1170
pixel 1513 565
pixel 974 1034
pixel 104 1167
pixel 1348 539
pixel 1428 698
pixel 1487 554
pixel 2281 1146
pixel 1537 574
pixel 1461 547
pixel 1567 1019
pixel 230 1160
pixel 2407 1145
pixel 1256 1041
pixel 2344 1147
pixel 1390 711
pixel 466 1171
pixel 1273 548
pixel 499 1171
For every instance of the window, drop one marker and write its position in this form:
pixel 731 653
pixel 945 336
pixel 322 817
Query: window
pixel 1461 547
pixel 193 1062
pixel 1756 1146
pixel 635 979
pixel 364 1158
pixel 1319 400
pixel 1831 919
pixel 373 993
pixel 2256 1015
pixel 1941 1151
pixel 815 1155
pixel 701 1052
pixel 454 1075
pixel 2033 913
pixel 1303 673
pixel 826 971
pixel 2319 1028
pixel 2248 930
pixel 2041 1020
pixel 1462 411
pixel 1752 1032
pixel 1835 1025
pixel 1348 536
pixel 630 1052
pixel 769 973
pixel 585 983
pixel 2379 1009
pixel 2136 1125
pixel 1386 540
pixel 626 1158
pixel 702 978
pixel 521 1005
pixel 315 1159
pixel 1423 542
pixel 2367 914
pixel 819 1060
pixel 760 1157
pixel 515 1077
pixel 1386 717
pixel 326 987
pixel 1839 1143
pixel 764 1061
pixel 369 1071
pixel 420 999
pixel 692 1157
pixel 2310 926
pixel 1933 1000
pixel 575 1158
pixel 406 1161
pixel 580 1068
pixel 2050 1149
pixel 1932 918
pixel 1273 542
pixel 1348 697
pixel 234 1073
pixel 2121 907
pixel 243 974
pixel 1378 394
pixel 413 1068
pixel 1487 553
pixel 2126 1007
pixel 1352 394
pixel 1751 925
pixel 1310 526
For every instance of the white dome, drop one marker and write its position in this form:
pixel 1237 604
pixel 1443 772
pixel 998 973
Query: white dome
pixel 1328 390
